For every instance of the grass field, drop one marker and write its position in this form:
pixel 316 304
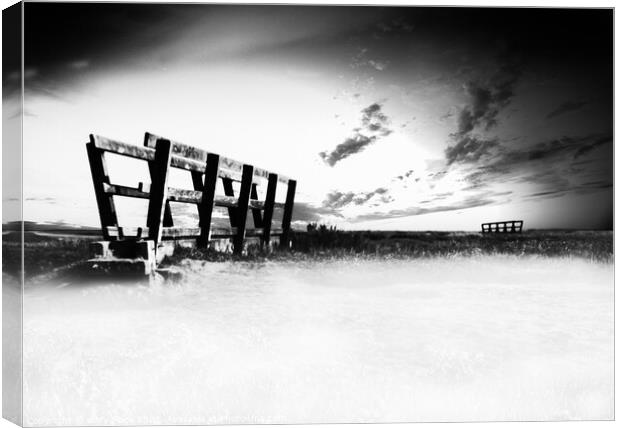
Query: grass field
pixel 43 253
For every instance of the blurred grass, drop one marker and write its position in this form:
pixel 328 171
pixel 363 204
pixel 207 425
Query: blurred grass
pixel 42 256
pixel 45 254
pixel 325 244
pixel 597 245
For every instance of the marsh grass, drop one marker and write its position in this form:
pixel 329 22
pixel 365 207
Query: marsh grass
pixel 326 244
pixel 47 254
pixel 42 255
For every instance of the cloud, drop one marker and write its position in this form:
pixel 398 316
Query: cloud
pixel 444 117
pixel 396 25
pixel 360 60
pixel 553 166
pixel 79 64
pixel 405 175
pixel 374 124
pixel 307 212
pixel 336 199
pixel 587 148
pixel 558 148
pixel 350 146
pixel 485 100
pixel 469 149
pixel 374 120
pixel 378 65
pixel 566 107
pixel 470 202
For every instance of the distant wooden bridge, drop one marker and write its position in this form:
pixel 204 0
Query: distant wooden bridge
pixel 509 226
pixel 205 169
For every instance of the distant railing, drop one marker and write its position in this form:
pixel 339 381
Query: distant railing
pixel 205 169
pixel 510 226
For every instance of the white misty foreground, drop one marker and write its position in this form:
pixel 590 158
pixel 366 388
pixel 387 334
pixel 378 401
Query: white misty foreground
pixel 460 339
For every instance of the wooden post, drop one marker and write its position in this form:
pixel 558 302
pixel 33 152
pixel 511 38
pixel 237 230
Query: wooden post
pixel 242 207
pixel 269 203
pixel 256 213
pixel 288 214
pixel 229 191
pixel 159 189
pixel 205 207
pixel 168 222
pixel 198 182
pixel 105 202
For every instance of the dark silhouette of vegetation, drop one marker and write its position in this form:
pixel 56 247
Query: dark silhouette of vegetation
pixel 42 254
pixel 320 239
pixel 321 242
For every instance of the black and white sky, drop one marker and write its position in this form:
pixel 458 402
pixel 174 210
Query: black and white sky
pixel 389 117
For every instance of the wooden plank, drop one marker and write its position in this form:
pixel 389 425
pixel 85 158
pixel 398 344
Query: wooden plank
pixel 197 181
pixel 242 209
pixel 181 195
pixel 270 197
pixel 167 222
pixel 159 189
pixel 105 202
pixel 229 168
pixel 205 207
pixel 143 153
pixel 183 157
pixel 123 149
pixel 256 212
pixel 288 213
pixel 170 233
pixel 232 166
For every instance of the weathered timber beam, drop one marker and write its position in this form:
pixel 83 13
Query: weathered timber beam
pixel 256 212
pixel 232 165
pixel 229 168
pixel 242 208
pixel 207 189
pixel 143 153
pixel 270 197
pixel 181 195
pixel 170 233
pixel 105 202
pixel 167 221
pixel 159 189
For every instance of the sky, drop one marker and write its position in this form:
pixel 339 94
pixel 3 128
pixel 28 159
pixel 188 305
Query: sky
pixel 389 118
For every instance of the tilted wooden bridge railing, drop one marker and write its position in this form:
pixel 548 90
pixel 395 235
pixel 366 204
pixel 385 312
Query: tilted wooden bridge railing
pixel 205 168
pixel 509 226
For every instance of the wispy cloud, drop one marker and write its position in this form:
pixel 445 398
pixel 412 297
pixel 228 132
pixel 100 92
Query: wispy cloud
pixel 361 60
pixel 485 101
pixel 307 212
pixel 405 175
pixel 469 202
pixel 566 107
pixel 374 125
pixel 79 64
pixel 554 167
pixel 396 25
pixel 469 149
pixel 584 149
pixel 336 199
